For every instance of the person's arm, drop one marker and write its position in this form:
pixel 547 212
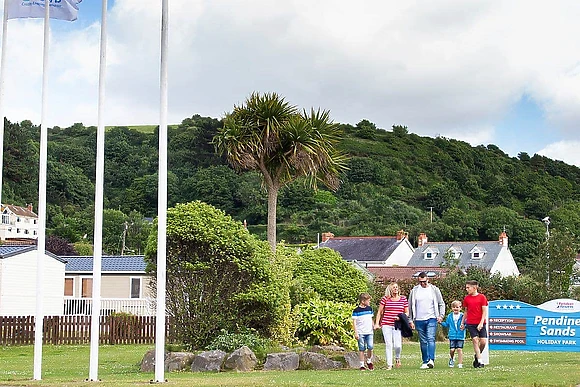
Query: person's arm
pixel 441 305
pixel 483 317
pixel 354 327
pixel 445 323
pixel 411 310
pixel 379 316
pixel 463 323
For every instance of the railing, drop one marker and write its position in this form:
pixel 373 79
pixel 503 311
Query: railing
pixel 134 306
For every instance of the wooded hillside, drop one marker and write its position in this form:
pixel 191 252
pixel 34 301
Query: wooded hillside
pixel 396 180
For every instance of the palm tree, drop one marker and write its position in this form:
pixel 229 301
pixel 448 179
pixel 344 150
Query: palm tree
pixel 269 135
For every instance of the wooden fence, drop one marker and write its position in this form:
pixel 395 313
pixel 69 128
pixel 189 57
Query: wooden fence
pixel 19 330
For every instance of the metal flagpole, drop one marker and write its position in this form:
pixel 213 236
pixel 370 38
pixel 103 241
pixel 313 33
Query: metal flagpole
pixel 162 204
pixel 98 229
pixel 39 319
pixel 2 82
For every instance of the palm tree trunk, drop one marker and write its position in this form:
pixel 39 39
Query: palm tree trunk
pixel 272 203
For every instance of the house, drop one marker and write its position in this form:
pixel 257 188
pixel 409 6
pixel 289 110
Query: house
pixel 18 223
pixel 18 286
pixel 371 251
pixel 125 285
pixel 492 255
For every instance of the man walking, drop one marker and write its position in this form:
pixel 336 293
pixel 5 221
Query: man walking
pixel 426 309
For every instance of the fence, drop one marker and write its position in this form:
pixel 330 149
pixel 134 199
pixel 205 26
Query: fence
pixel 19 330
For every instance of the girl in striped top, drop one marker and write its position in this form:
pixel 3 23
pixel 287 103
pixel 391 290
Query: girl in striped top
pixel 389 308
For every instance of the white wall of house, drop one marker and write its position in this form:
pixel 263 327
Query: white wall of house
pixel 401 255
pixel 505 264
pixel 20 227
pixel 113 285
pixel 18 285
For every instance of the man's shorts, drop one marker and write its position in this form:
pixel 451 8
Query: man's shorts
pixel 365 342
pixel 472 329
pixel 455 344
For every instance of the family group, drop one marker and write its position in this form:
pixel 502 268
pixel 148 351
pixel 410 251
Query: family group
pixel 398 316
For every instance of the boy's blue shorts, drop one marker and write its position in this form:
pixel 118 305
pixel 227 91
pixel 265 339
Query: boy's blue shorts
pixel 365 342
pixel 456 344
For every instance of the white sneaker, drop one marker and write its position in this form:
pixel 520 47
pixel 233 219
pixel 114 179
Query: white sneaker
pixel 459 365
pixel 424 366
pixel 430 364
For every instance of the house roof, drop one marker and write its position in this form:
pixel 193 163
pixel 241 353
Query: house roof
pixel 111 263
pixel 19 211
pixel 490 251
pixel 376 248
pixel 387 273
pixel 7 251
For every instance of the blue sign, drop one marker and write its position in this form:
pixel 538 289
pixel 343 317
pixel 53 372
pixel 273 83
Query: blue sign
pixel 553 326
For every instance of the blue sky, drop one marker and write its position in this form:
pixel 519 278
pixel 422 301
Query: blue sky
pixel 506 73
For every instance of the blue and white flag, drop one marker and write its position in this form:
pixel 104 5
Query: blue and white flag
pixel 59 9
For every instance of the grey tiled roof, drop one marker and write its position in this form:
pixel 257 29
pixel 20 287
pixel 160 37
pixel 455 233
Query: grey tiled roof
pixel 363 248
pixel 109 263
pixel 491 248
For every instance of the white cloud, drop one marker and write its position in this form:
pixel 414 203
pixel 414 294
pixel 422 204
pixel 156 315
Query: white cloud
pixel 451 67
pixel 566 151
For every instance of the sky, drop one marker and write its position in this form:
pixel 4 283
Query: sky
pixel 486 72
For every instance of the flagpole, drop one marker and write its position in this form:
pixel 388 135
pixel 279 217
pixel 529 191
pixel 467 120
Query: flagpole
pixel 162 204
pixel 39 319
pixel 2 83
pixel 98 229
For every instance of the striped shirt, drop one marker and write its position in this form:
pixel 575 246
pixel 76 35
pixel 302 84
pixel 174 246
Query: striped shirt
pixel 363 320
pixel 392 308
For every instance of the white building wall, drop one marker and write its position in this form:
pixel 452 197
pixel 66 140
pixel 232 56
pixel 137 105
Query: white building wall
pixel 18 285
pixel 505 264
pixel 402 255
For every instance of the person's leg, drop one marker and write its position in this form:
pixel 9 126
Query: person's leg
pixel 370 347
pixel 388 336
pixel 361 351
pixel 398 345
pixel 460 356
pixel 421 326
pixel 431 330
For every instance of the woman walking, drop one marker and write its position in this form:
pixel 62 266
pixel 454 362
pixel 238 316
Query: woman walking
pixel 391 305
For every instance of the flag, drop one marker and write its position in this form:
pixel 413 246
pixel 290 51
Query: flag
pixel 59 9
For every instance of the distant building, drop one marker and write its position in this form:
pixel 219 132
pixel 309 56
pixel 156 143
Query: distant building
pixel 494 256
pixel 19 224
pixel 371 251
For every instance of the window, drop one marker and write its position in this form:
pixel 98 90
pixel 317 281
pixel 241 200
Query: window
pixel 135 287
pixel 87 288
pixel 429 255
pixel 18 219
pixel 5 219
pixel 69 287
pixel 17 231
pixel 476 255
pixel 26 231
pixel 35 221
pixel 34 232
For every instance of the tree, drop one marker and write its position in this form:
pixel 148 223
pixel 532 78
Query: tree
pixel 271 136
pixel 555 260
pixel 60 246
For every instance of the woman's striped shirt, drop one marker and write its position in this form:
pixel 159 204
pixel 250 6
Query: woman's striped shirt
pixel 392 308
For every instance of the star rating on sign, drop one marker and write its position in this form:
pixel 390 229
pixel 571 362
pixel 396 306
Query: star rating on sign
pixel 506 306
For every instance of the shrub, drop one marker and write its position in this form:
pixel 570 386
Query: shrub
pixel 218 276
pixel 325 322
pixel 322 273
pixel 229 342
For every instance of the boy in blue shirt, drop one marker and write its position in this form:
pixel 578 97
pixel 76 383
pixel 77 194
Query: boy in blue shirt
pixel 362 323
pixel 456 334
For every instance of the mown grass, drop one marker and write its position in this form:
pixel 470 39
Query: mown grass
pixel 119 366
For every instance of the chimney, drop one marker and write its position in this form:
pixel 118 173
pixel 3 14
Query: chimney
pixel 422 239
pixel 503 239
pixel 29 206
pixel 326 236
pixel 401 235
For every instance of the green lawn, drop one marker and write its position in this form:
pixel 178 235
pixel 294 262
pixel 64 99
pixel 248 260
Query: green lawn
pixel 119 365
